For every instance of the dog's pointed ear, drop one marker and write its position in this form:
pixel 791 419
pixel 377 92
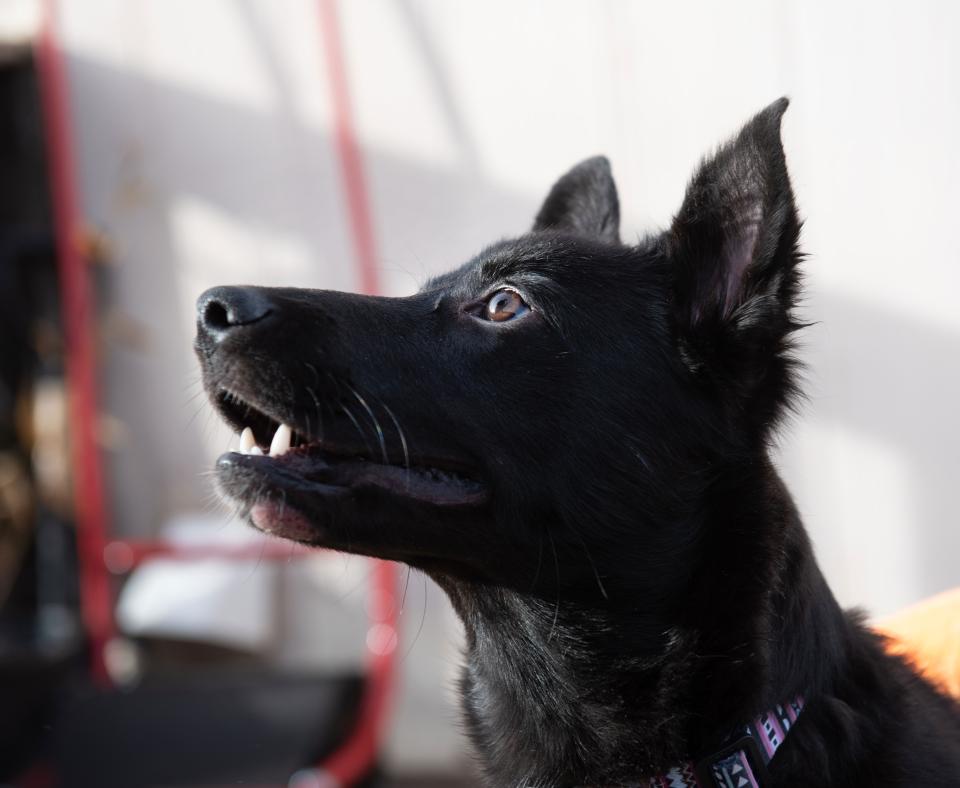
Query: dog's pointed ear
pixel 734 250
pixel 583 202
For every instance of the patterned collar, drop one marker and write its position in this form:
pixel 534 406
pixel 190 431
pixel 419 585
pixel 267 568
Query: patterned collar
pixel 742 762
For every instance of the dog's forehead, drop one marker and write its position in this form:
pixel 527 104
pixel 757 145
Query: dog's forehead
pixel 540 255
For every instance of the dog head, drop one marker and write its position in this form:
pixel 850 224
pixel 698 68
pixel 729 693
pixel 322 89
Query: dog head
pixel 549 415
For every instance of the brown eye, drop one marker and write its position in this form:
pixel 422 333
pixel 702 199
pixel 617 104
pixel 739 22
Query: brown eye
pixel 505 305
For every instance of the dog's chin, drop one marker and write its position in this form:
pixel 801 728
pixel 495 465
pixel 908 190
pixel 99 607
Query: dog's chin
pixel 280 520
pixel 316 498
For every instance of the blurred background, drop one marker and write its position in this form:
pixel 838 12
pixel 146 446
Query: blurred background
pixel 150 150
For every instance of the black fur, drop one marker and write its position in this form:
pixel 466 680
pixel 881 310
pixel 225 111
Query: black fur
pixel 632 574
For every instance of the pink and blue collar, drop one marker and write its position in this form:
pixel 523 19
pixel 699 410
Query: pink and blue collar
pixel 742 762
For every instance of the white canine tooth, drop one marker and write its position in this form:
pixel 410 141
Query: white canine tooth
pixel 247 441
pixel 256 451
pixel 281 440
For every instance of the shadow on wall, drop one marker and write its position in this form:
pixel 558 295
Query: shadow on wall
pixel 895 381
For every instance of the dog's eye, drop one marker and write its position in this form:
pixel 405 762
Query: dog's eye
pixel 505 305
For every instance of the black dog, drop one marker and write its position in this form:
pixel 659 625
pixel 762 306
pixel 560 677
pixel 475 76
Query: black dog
pixel 571 436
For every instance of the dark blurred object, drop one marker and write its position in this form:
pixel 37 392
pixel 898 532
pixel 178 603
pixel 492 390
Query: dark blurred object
pixel 27 263
pixel 206 727
pixel 16 502
pixel 38 596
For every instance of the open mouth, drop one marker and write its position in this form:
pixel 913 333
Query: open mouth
pixel 276 456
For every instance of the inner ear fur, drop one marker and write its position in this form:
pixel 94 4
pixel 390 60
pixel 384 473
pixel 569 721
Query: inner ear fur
pixel 734 252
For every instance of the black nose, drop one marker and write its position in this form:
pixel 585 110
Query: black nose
pixel 221 310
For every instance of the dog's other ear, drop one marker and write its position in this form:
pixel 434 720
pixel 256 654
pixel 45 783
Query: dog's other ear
pixel 583 202
pixel 734 248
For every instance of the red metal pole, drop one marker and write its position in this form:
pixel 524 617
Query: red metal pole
pixel 357 754
pixel 78 329
pixel 348 152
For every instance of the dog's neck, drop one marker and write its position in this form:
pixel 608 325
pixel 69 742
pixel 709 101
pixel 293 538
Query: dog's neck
pixel 545 706
pixel 571 694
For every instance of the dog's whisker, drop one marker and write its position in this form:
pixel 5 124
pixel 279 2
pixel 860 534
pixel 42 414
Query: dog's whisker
pixel 316 402
pixel 374 419
pixel 353 419
pixel 336 383
pixel 593 566
pixel 556 567
pixel 403 440
pixel 423 618
pixel 193 380
pixel 208 424
pixel 193 418
pixel 403 596
pixel 400 433
pixel 339 400
pixel 283 503
pixel 256 567
pixel 193 397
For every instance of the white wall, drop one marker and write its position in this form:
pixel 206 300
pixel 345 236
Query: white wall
pixel 204 138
